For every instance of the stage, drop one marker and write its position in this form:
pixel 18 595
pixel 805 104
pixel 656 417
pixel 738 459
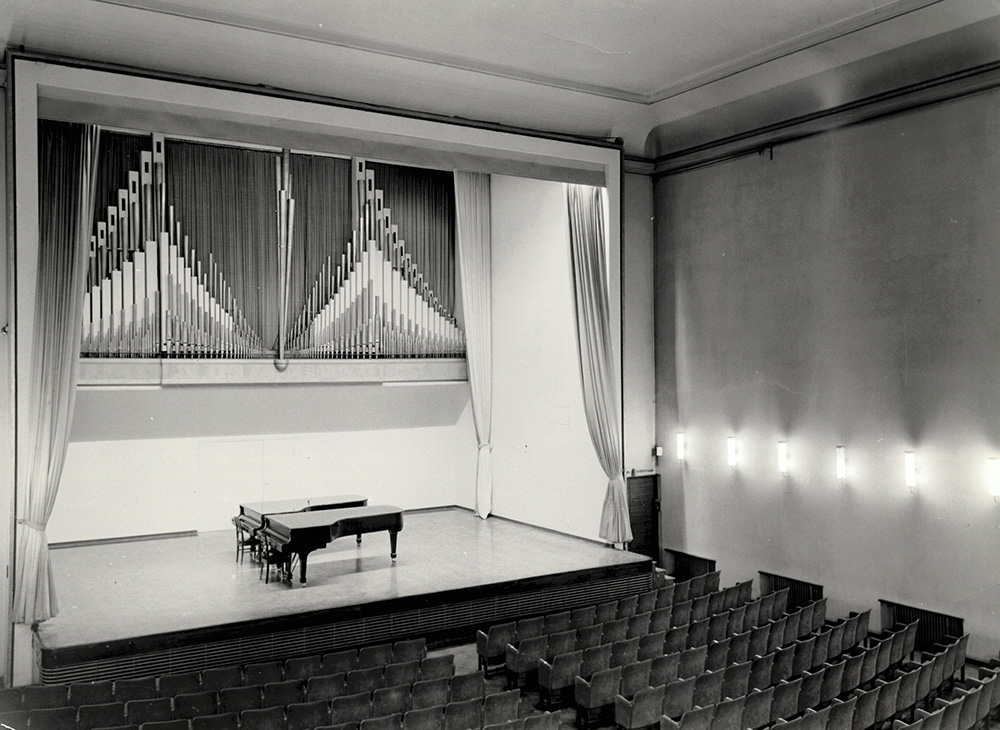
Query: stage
pixel 174 604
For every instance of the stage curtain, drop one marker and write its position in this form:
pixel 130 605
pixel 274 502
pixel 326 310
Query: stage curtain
pixel 67 172
pixel 472 206
pixel 593 335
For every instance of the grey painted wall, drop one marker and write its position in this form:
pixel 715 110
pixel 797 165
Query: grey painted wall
pixel 845 290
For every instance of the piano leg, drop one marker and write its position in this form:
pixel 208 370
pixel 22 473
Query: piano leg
pixel 392 544
pixel 302 568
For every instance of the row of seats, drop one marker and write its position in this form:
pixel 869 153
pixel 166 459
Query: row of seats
pixel 463 713
pixel 406 654
pixel 787 699
pixel 690 673
pixel 694 673
pixel 700 595
pixel 537 653
pixel 891 698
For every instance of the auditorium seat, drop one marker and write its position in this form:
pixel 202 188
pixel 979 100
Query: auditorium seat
pixel 269 718
pixel 303 667
pixel 464 714
pixel 699 608
pixel 624 652
pixel 219 678
pixel 543 721
pixel 583 617
pixel 385 722
pixel 340 661
pixel 436 667
pixel 555 677
pixel 225 721
pixel 681 614
pixel 841 715
pixel 761 669
pixel 429 692
pixel 491 645
pixel 238 699
pixel 811 689
pixel 188 705
pixel 642 711
pixel 665 596
pixel 349 708
pixel 627 606
pixel 91 693
pixel 693 661
pixel 169 685
pixel 833 682
pixel 606 611
pixel 283 693
pixel 556 622
pixel 638 625
pixel 407 650
pixel 138 712
pixel 262 672
pixel 377 655
pixel 664 669
pixel 651 645
pixel 40 696
pixel 530 628
pixel 594 697
pixel 660 618
pixel 106 714
pixel 589 636
pixel 614 630
pixel 784 663
pixel 697 634
pixel 364 680
pixel 697 718
pixel 718 655
pixel 718 626
pixel 307 715
pixel 391 700
pixel 785 700
pixel 14 718
pixel 467 686
pixel 728 715
pixel 678 697
pixel 635 676
pixel 708 688
pixel 136 688
pixel 736 679
pixel 406 672
pixel 326 686
pixel 52 718
pixel 501 707
pixel 864 708
pixel 757 709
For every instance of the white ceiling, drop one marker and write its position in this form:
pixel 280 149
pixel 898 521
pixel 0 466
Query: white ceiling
pixel 662 74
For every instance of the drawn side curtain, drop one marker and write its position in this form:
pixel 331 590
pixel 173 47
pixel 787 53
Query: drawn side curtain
pixel 593 333
pixel 472 207
pixel 66 171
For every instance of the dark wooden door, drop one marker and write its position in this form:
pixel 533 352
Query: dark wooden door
pixel 644 514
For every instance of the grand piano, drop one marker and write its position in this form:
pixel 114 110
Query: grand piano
pixel 289 535
pixel 251 517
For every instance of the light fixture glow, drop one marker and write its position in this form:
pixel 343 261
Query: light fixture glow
pixel 841 463
pixel 783 457
pixel 910 468
pixel 680 446
pixel 993 464
pixel 731 451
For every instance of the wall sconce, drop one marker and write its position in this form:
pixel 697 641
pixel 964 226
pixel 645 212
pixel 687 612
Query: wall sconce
pixel 731 451
pixel 993 474
pixel 841 463
pixel 783 457
pixel 680 446
pixel 910 469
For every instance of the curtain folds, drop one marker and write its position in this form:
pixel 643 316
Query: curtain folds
pixel 600 390
pixel 67 175
pixel 472 207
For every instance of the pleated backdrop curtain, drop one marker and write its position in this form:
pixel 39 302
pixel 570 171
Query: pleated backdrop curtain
pixel 67 172
pixel 593 335
pixel 472 208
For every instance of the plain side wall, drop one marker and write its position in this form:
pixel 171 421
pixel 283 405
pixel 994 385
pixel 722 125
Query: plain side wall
pixel 637 300
pixel 845 291
pixel 6 397
pixel 545 470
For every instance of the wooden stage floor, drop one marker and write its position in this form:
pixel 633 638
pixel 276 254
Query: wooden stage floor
pixel 147 595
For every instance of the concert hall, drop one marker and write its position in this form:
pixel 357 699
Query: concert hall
pixel 549 365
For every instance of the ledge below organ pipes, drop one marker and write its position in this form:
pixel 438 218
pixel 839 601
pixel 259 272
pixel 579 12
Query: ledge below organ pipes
pixel 155 371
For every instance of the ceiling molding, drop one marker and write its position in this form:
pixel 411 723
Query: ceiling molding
pixel 395 50
pixel 899 101
pixel 367 45
pixel 791 47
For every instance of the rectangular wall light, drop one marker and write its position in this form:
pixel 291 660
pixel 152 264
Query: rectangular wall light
pixel 841 463
pixel 731 451
pixel 910 468
pixel 783 457
pixel 680 446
